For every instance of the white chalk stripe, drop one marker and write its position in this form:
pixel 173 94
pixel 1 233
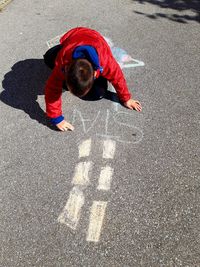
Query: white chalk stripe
pixel 96 220
pixel 109 149
pixel 84 148
pixel 105 178
pixel 54 41
pixel 72 210
pixel 81 175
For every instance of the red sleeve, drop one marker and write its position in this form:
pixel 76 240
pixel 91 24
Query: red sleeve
pixel 53 93
pixel 114 74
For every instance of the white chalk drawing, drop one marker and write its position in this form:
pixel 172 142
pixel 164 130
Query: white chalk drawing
pixel 71 213
pixel 85 122
pixel 97 213
pixel 110 127
pixel 54 41
pixel 122 57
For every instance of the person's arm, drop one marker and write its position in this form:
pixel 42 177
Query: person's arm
pixel 115 75
pixel 53 99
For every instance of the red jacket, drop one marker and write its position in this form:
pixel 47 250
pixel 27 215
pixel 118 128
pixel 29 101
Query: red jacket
pixel 111 70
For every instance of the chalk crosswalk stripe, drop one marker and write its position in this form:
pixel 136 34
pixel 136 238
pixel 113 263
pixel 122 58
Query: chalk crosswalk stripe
pixel 81 176
pixel 84 148
pixel 105 178
pixel 109 149
pixel 4 3
pixel 97 213
pixel 71 213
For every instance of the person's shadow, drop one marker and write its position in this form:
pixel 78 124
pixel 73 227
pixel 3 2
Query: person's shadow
pixel 23 84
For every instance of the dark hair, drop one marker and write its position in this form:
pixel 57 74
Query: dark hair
pixel 80 77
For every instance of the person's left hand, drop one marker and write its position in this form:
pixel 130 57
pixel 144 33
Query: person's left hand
pixel 133 104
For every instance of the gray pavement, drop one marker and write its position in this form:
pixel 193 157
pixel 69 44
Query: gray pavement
pixel 152 214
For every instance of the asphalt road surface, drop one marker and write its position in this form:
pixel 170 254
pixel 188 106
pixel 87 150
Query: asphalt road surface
pixel 123 189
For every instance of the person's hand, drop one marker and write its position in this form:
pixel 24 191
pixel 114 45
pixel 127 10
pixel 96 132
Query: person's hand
pixel 133 104
pixel 64 126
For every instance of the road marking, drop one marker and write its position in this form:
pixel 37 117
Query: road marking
pixel 81 176
pixel 105 178
pixel 72 210
pixel 84 148
pixel 96 220
pixel 4 3
pixel 109 149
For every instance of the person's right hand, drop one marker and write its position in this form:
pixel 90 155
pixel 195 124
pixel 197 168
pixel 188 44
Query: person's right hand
pixel 64 126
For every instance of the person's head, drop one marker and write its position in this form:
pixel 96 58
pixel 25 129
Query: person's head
pixel 79 77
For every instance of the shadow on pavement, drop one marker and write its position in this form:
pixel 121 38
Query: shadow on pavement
pixel 178 5
pixel 23 84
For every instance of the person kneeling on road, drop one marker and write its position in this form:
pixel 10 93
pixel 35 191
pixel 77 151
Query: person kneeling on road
pixel 82 62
